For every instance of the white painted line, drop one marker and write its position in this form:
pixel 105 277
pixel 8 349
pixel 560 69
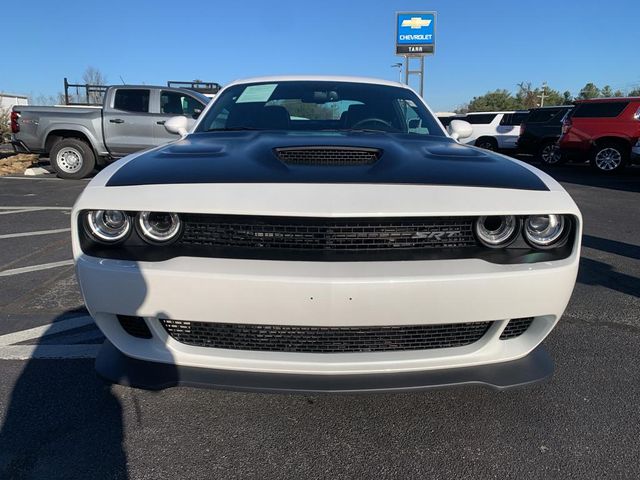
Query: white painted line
pixel 27 210
pixel 9 351
pixel 44 330
pixel 27 352
pixel 30 234
pixel 8 212
pixel 37 207
pixel 33 178
pixel 34 268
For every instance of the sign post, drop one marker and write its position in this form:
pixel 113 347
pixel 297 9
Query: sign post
pixel 415 38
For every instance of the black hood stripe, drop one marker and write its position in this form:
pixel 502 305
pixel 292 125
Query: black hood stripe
pixel 248 157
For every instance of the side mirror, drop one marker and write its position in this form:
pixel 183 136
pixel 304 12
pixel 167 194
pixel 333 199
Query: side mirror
pixel 459 129
pixel 414 123
pixel 178 125
pixel 196 112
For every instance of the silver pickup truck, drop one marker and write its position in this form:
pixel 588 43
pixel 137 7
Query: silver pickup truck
pixel 77 139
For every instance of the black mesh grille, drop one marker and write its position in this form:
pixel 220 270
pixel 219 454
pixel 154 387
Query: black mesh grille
pixel 327 235
pixel 134 326
pixel 279 338
pixel 337 156
pixel 516 327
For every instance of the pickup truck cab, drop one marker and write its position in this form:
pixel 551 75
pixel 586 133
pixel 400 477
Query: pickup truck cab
pixel 79 138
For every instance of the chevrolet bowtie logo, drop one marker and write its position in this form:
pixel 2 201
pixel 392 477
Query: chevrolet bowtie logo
pixel 416 23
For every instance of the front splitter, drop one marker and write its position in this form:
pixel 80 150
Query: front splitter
pixel 115 367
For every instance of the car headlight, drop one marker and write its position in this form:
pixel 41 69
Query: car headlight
pixel 544 230
pixel 108 226
pixel 497 230
pixel 159 227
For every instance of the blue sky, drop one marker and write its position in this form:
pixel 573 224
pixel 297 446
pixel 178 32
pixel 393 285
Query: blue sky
pixel 481 45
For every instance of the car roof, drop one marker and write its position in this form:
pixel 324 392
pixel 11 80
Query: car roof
pixel 494 113
pixel 549 107
pixel 609 99
pixel 319 78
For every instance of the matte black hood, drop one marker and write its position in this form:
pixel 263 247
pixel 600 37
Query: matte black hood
pixel 249 157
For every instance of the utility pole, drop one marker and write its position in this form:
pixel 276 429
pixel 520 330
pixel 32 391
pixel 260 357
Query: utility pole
pixel 543 95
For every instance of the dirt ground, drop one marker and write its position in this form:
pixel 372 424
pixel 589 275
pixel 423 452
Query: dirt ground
pixel 16 163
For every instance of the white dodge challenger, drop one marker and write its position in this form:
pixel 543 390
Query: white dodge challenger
pixel 323 234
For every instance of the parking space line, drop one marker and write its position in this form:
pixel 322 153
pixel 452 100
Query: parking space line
pixel 45 330
pixel 27 352
pixel 9 212
pixel 34 268
pixel 10 351
pixel 30 234
pixel 28 208
pixel 32 178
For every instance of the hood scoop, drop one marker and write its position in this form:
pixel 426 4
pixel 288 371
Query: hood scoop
pixel 328 156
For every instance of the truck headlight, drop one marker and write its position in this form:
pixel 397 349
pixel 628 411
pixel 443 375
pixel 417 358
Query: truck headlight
pixel 544 230
pixel 159 227
pixel 497 230
pixel 108 226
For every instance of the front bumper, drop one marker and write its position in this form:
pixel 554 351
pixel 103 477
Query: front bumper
pixel 527 145
pixel 20 147
pixel 326 294
pixel 635 154
pixel 115 367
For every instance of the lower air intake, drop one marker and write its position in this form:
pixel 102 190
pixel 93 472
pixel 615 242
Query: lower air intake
pixel 516 327
pixel 134 326
pixel 300 339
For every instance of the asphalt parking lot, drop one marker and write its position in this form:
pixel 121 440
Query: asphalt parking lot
pixel 58 420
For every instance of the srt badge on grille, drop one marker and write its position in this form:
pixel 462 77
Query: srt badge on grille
pixel 440 235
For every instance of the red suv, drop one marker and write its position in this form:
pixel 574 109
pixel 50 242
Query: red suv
pixel 605 129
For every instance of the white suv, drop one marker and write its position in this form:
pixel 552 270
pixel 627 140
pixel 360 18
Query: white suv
pixel 494 130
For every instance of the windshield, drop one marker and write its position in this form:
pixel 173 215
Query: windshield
pixel 317 106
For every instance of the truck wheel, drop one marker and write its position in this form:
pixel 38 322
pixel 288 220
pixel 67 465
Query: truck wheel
pixel 487 143
pixel 549 153
pixel 609 157
pixel 72 158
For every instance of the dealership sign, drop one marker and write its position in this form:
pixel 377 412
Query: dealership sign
pixel 415 33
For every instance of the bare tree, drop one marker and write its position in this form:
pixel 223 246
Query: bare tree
pixel 93 76
pixel 46 100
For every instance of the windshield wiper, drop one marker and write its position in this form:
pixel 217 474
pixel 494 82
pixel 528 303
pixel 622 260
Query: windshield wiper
pixel 359 130
pixel 232 129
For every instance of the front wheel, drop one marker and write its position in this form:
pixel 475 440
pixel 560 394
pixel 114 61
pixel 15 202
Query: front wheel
pixel 487 143
pixel 72 158
pixel 609 157
pixel 549 154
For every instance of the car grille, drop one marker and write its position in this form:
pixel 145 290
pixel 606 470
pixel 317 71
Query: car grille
pixel 328 156
pixel 281 338
pixel 284 237
pixel 516 327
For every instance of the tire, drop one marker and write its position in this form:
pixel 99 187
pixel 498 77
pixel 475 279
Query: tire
pixel 487 143
pixel 609 157
pixel 72 158
pixel 549 153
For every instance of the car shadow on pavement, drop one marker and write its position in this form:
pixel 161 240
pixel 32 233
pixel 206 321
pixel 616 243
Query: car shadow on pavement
pixel 628 180
pixel 611 246
pixel 593 272
pixel 61 421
